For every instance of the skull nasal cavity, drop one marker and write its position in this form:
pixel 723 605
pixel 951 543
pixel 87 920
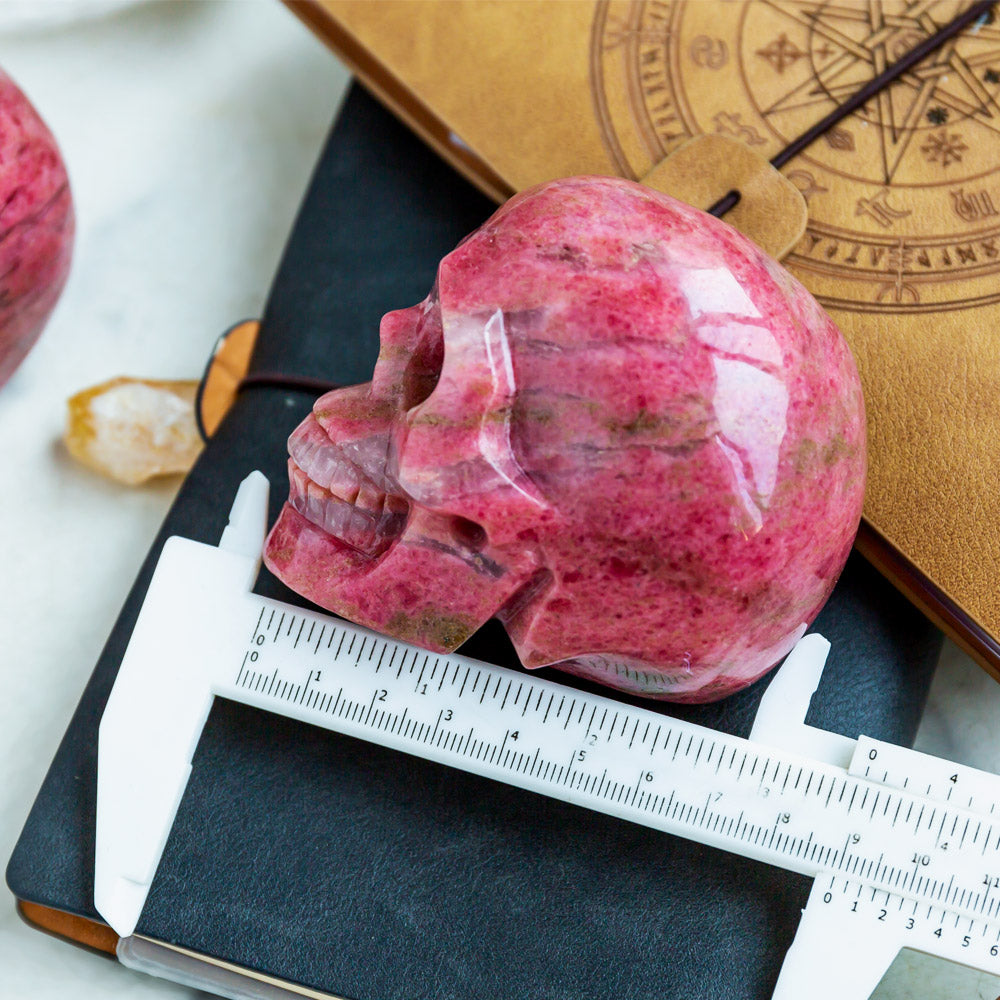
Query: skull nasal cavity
pixel 467 533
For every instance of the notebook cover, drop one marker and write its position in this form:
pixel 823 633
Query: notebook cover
pixel 903 242
pixel 327 862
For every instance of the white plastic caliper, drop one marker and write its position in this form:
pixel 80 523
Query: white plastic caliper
pixel 904 848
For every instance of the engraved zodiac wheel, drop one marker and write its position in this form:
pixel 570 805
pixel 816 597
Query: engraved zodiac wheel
pixel 903 195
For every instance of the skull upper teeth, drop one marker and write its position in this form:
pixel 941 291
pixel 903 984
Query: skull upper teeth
pixel 329 490
pixel 369 524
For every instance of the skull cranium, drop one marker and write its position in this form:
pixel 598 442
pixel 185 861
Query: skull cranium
pixel 614 424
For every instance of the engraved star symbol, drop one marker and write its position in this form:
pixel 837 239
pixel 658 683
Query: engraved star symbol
pixel 781 53
pixel 868 37
pixel 944 148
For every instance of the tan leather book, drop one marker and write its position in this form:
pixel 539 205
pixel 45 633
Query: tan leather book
pixel 902 243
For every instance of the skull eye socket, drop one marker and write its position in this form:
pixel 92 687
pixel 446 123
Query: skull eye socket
pixel 426 361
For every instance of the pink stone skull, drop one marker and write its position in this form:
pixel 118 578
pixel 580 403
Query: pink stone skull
pixel 616 425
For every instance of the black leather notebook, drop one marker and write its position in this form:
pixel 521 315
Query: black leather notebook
pixel 321 861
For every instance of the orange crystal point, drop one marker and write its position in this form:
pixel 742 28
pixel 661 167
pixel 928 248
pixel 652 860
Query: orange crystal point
pixel 133 429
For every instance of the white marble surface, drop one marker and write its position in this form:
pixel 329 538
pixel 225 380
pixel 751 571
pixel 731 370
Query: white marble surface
pixel 190 130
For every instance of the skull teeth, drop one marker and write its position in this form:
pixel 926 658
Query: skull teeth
pixel 331 491
pixel 324 463
pixel 370 529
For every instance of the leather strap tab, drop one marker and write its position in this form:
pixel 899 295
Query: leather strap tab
pixel 771 209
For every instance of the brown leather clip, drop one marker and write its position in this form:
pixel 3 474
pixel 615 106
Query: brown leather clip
pixel 702 171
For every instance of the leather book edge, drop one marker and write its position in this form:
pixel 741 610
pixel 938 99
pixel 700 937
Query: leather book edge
pixel 71 927
pixel 935 603
pixel 399 99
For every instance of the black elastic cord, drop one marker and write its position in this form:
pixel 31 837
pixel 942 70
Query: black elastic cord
pixel 199 395
pixel 275 380
pixel 257 380
pixel 889 75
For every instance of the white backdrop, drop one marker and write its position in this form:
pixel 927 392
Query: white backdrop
pixel 190 131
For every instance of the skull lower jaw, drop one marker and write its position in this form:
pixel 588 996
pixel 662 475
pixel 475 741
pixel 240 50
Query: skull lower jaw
pixel 353 541
pixel 423 590
pixel 369 523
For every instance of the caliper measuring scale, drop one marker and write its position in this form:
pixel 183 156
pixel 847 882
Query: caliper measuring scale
pixel 904 848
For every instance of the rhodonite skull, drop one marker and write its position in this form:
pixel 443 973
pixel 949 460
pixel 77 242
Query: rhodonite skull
pixel 616 425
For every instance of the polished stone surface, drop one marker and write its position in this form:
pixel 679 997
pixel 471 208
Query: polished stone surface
pixel 36 225
pixel 614 424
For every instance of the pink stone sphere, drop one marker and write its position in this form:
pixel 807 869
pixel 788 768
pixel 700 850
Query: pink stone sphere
pixel 36 225
pixel 616 425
